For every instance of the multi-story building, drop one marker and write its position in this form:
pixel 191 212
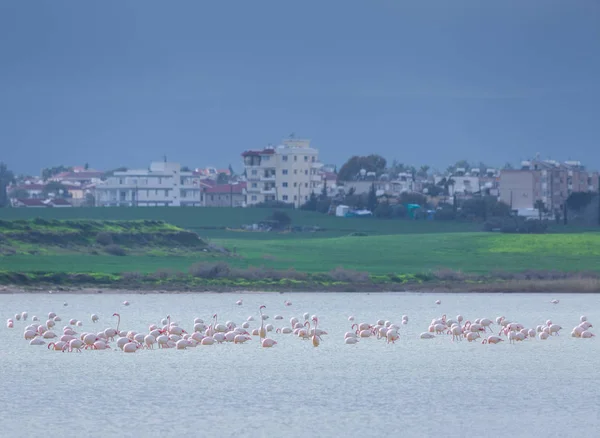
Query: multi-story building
pixel 288 173
pixel 548 181
pixel 163 184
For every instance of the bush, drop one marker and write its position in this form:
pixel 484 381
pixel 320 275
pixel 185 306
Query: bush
pixel 348 276
pixel 446 213
pixel 280 219
pixel 115 250
pixel 383 210
pixel 104 239
pixel 399 211
pixel 209 270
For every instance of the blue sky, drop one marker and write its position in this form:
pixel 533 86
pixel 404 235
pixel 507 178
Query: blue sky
pixel 120 82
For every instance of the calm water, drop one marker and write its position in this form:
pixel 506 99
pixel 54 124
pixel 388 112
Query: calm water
pixel 414 388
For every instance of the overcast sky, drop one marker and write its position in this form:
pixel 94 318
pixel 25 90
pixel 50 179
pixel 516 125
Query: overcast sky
pixel 121 83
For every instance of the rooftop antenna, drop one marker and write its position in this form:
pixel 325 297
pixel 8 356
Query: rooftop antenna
pixel 165 158
pixel 292 135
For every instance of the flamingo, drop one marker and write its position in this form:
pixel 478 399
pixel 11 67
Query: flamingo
pixel 492 340
pixel 268 342
pixel 238 302
pixel 316 340
pixel 94 318
pixel 262 332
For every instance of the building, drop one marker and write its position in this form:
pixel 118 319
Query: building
pixel 163 184
pixel 225 195
pixel 33 190
pixel 549 181
pixel 288 173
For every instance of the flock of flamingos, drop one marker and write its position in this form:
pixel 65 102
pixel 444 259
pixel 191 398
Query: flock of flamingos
pixel 169 334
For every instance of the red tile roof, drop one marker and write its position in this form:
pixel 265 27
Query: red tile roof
pixel 32 202
pixel 59 201
pixel 226 189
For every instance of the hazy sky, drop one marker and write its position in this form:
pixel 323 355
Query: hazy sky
pixel 123 82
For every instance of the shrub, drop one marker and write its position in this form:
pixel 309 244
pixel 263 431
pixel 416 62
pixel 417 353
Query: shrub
pixel 280 218
pixel 383 210
pixel 104 239
pixel 115 250
pixel 210 270
pixel 348 276
pixel 274 204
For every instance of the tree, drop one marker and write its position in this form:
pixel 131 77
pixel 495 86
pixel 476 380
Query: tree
pixel 231 172
pixel 6 178
pixel 90 200
pixel 433 190
pixel 446 183
pixel 49 172
pixel 324 191
pixel 311 204
pixel 281 218
pixel 508 166
pixel 577 201
pixel 383 210
pixel 222 178
pixel 540 207
pixel 423 171
pixel 351 168
pixel 186 169
pixel 413 198
pixel 372 198
pixel 86 166
pixel 57 189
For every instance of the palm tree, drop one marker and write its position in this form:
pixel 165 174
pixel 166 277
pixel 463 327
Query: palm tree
pixel 6 178
pixel 423 171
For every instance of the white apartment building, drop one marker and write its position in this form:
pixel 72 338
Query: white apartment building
pixel 288 173
pixel 163 184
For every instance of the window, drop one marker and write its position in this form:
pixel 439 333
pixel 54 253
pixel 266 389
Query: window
pixel 254 172
pixel 306 172
pixel 159 180
pixel 121 181
pixel 253 197
pixel 284 172
pixel 313 159
pixel 285 197
pixel 156 192
pixel 266 157
pixel 305 184
pixel 284 158
pixel 306 198
pixel 212 197
pixel 295 184
pixel 166 193
pixel 254 185
pixel 184 194
pixel 284 184
pixel 123 195
pixel 295 157
pixel 295 171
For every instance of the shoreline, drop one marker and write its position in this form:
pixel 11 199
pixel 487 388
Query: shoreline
pixel 570 285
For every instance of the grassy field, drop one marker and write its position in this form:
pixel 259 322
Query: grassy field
pixel 212 222
pixel 410 253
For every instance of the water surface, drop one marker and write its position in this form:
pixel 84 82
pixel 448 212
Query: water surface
pixel 414 388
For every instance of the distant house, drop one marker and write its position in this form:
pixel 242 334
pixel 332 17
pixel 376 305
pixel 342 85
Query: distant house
pixel 225 195
pixel 34 191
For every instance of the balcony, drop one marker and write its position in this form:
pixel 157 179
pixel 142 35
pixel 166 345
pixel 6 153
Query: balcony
pixel 270 177
pixel 253 177
pixel 268 191
pixel 251 189
pixel 316 178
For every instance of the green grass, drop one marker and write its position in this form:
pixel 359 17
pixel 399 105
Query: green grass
pixel 409 253
pixel 210 222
